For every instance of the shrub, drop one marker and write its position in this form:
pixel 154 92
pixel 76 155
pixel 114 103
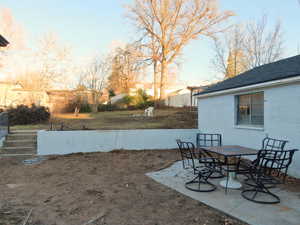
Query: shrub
pixel 142 100
pixel 85 108
pixel 111 93
pixel 127 100
pixel 22 115
pixel 107 107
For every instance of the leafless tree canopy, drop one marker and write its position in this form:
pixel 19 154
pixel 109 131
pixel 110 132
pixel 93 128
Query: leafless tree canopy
pixel 95 73
pixel 47 66
pixel 172 24
pixel 229 58
pixel 126 68
pixel 247 46
pixel 11 30
pixel 53 60
pixel 262 46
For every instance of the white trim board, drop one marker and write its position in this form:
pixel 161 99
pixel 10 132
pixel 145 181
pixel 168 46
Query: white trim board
pixel 251 87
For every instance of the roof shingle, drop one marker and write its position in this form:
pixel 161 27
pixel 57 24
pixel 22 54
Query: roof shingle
pixel 278 70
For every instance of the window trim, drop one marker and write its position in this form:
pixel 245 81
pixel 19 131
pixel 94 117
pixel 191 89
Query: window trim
pixel 236 112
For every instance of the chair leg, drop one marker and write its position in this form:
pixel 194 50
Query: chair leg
pixel 217 172
pixel 183 165
pixel 200 179
pixel 260 188
pixel 227 179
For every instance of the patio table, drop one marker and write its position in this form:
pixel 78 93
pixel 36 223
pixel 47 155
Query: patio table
pixel 231 151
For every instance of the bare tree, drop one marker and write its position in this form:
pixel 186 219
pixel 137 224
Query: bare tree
pixel 246 47
pixel 54 61
pixel 173 24
pixel 11 30
pixel 48 66
pixel 150 53
pixel 14 33
pixel 126 70
pixel 261 46
pixel 229 55
pixel 94 76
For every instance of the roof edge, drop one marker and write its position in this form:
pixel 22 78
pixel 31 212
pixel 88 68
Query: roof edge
pixel 249 87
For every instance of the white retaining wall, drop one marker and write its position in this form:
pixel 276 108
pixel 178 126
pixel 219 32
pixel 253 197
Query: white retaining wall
pixel 281 120
pixel 66 142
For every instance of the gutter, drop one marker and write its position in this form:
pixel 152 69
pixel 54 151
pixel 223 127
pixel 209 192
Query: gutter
pixel 250 87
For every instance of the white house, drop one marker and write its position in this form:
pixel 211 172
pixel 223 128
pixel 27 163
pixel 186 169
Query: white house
pixel 264 101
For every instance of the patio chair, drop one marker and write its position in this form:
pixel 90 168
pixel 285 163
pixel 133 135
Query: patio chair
pixel 200 182
pixel 149 112
pixel 273 144
pixel 206 158
pixel 186 156
pixel 266 161
pixel 267 144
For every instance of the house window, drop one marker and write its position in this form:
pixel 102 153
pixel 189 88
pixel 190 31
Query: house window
pixel 250 109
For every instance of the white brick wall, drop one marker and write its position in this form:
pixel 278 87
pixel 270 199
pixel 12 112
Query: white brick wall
pixel 66 142
pixel 281 117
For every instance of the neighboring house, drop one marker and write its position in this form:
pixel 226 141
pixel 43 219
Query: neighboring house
pixel 146 86
pixel 13 94
pixel 6 90
pixel 183 97
pixel 264 101
pixel 117 98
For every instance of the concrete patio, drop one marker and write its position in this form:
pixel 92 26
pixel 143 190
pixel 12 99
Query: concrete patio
pixel 233 204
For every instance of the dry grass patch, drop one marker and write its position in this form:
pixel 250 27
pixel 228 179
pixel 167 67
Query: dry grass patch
pixel 119 120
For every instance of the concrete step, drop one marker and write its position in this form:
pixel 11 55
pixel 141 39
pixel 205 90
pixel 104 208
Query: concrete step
pixel 34 132
pixel 18 150
pixel 20 143
pixel 16 155
pixel 21 136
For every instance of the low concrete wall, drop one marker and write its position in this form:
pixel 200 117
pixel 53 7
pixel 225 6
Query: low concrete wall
pixel 66 142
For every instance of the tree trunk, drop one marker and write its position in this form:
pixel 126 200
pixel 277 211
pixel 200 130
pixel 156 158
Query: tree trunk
pixel 162 94
pixel 155 80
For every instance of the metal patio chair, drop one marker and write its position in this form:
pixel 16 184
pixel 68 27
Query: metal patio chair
pixel 273 144
pixel 200 182
pixel 260 174
pixel 206 158
pixel 276 146
pixel 186 156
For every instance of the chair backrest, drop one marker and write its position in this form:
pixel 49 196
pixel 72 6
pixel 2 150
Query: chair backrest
pixel 187 152
pixel 269 161
pixel 208 140
pixel 273 144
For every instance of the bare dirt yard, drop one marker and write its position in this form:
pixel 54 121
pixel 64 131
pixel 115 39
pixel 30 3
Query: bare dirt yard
pixel 168 118
pixel 113 187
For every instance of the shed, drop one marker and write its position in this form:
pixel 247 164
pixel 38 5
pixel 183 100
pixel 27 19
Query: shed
pixel 264 101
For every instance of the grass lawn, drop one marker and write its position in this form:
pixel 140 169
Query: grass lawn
pixel 164 118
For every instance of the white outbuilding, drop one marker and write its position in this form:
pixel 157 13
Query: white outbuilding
pixel 264 101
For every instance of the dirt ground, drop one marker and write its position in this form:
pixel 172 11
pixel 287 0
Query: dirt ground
pixel 76 189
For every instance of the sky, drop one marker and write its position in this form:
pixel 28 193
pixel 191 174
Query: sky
pixel 92 27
